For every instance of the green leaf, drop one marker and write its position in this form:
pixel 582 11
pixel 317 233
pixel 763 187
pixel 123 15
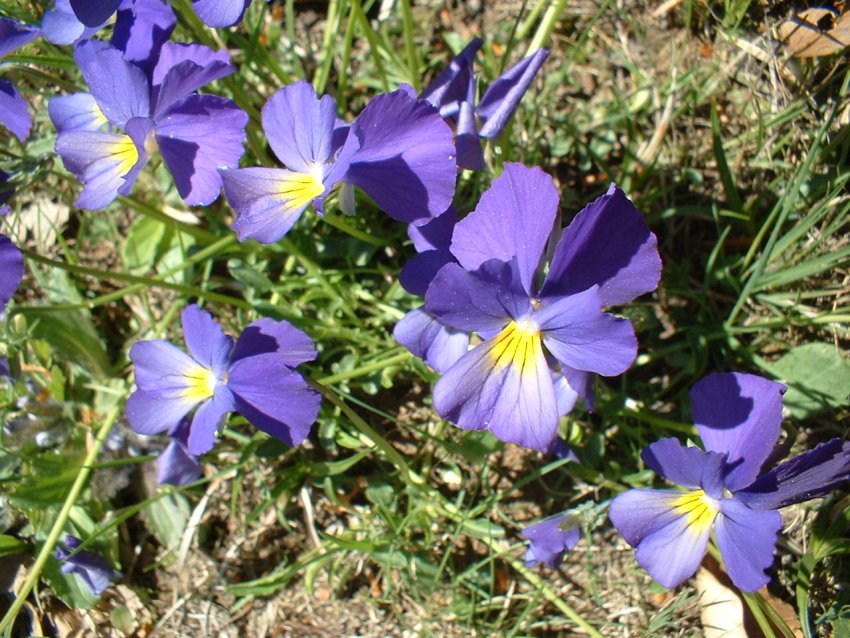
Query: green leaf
pixel 167 518
pixel 73 337
pixel 140 248
pixel 818 379
pixel 9 546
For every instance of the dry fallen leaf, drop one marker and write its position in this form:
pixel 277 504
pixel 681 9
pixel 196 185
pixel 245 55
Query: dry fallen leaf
pixel 721 609
pixel 815 32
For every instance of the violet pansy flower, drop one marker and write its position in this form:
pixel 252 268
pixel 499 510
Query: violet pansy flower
pixel 728 489
pixel 196 134
pixel 11 270
pixel 254 377
pixel 544 337
pixel 176 465
pixel 214 13
pixel 398 151
pixel 453 92
pixel 550 539
pixel 91 569
pixel 14 113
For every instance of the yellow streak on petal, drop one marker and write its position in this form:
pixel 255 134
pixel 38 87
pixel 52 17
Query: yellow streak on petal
pixel 99 117
pixel 299 189
pixel 124 150
pixel 201 384
pixel 518 345
pixel 698 509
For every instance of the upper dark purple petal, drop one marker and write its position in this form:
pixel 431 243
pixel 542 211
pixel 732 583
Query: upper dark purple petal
pixel 11 270
pixel 550 538
pixel 420 270
pixel 514 218
pixel 93 13
pixel 14 35
pixel 184 68
pixel 607 244
pixel 220 13
pixel 175 466
pixel 14 112
pixel 197 137
pixel 142 27
pixel 470 155
pixel 438 345
pixel 502 97
pixel 746 539
pixel 810 475
pixel 92 569
pixel 401 153
pixel 486 299
pixel 292 346
pixel 453 83
pixel 738 415
pixel 436 234
pixel 61 26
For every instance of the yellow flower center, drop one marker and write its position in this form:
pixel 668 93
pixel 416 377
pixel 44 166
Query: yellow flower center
pixel 299 189
pixel 124 150
pixel 519 344
pixel 698 508
pixel 201 384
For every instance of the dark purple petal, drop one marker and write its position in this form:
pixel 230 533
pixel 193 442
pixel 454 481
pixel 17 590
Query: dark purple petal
pixel 121 89
pixel 404 157
pixel 207 343
pixel 670 459
pixel 579 335
pixel 470 155
pixel 454 82
pixel 670 543
pixel 106 163
pixel 11 270
pixel 175 466
pixel 152 412
pixel 420 270
pixel 182 69
pixel 436 234
pixel 738 415
pixel 14 35
pixel 220 13
pixel 505 386
pixel 291 345
pixel 14 111
pixel 76 112
pixel 208 419
pixel 513 219
pixel 746 539
pixel 437 345
pixel 809 475
pixel 582 383
pixel 142 27
pixel 61 26
pixel 93 570
pixel 486 299
pixel 607 244
pixel 300 127
pixel 197 137
pixel 94 12
pixel 550 538
pixel 274 398
pixel 502 97
pixel 267 201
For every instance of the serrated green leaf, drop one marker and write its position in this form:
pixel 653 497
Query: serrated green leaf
pixel 818 379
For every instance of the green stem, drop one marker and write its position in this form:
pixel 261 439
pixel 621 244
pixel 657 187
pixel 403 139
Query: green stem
pixel 410 46
pixel 547 25
pixel 59 524
pixel 401 357
pixel 372 39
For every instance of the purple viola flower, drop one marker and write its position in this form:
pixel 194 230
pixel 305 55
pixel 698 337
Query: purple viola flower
pixel 11 270
pixel 398 151
pixel 550 539
pixel 91 569
pixel 738 417
pixel 176 465
pixel 543 337
pixel 255 377
pixel 61 25
pixel 214 13
pixel 14 113
pixel 196 134
pixel 453 92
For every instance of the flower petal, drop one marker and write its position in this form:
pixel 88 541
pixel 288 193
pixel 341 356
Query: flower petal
pixel 607 244
pixel 61 26
pixel 746 539
pixel 14 35
pixel 809 475
pixel 175 466
pixel 197 137
pixel 120 88
pixel 208 420
pixel 505 386
pixel 161 366
pixel 438 345
pixel 14 111
pixel 550 538
pixel 579 335
pixel 453 83
pixel 681 465
pixel 11 270
pixel 299 127
pixel 152 412
pixel 220 13
pixel 291 345
pixel 436 234
pixel 184 68
pixel 207 343
pixel 142 27
pixel 739 415
pixel 503 96
pixel 267 201
pixel 76 112
pixel 274 398
pixel 514 218
pixel 94 12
